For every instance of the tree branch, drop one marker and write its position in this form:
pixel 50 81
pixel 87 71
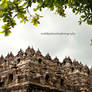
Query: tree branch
pixel 28 12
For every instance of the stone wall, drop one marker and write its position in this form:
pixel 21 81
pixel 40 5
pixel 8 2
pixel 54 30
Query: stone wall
pixel 30 71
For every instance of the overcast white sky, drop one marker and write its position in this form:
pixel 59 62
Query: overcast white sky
pixel 76 46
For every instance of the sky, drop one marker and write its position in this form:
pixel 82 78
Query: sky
pixel 77 45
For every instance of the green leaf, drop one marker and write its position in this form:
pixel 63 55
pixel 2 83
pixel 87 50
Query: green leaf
pixel 91 40
pixel 3 0
pixel 2 31
pixel 5 5
pixel 77 12
pixel 22 21
pixel 89 22
pixel 24 4
pixel 36 24
pixel 90 44
pixel 7 32
pixel 35 9
pixel 34 1
pixel 4 26
pixel 1 14
pixel 19 16
pixel 83 16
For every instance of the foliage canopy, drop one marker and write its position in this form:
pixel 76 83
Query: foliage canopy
pixel 11 9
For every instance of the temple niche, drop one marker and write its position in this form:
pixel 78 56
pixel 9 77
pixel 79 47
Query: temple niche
pixel 30 71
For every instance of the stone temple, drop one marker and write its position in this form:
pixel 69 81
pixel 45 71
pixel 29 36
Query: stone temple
pixel 30 71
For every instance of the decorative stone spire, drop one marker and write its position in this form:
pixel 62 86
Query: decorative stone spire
pixel 38 53
pixel 1 59
pixel 48 57
pixel 11 54
pixel 30 51
pixel 81 64
pixel 67 60
pixel 91 70
pixel 75 62
pixel 28 47
pixel 20 52
pixel 7 57
pixel 86 69
pixel 56 60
